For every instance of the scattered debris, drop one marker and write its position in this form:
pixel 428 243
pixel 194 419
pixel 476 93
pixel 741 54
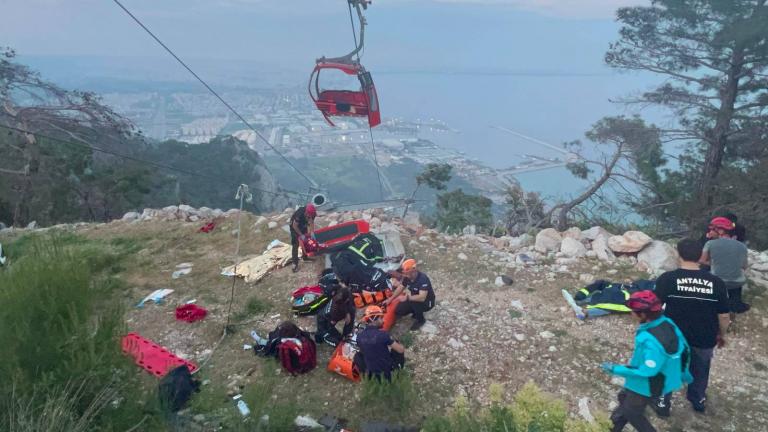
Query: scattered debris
pixel 156 296
pixel 254 269
pixel 584 410
pixel 181 270
pixel 210 226
pixel 190 313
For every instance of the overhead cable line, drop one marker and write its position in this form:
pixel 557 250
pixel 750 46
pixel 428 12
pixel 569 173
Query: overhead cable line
pixel 143 161
pixel 213 92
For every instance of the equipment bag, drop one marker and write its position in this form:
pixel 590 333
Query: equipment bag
pixel 176 388
pixel 342 361
pixel 308 300
pixel 297 355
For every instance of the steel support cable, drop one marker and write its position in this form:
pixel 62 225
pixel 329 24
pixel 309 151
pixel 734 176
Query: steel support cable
pixel 354 32
pixel 213 92
pixel 376 162
pixel 144 161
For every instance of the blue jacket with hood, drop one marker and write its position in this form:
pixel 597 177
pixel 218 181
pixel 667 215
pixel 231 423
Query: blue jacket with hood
pixel 660 362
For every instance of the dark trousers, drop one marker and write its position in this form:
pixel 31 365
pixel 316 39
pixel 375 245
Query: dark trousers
pixel 397 362
pixel 735 303
pixel 327 332
pixel 701 360
pixel 294 247
pixel 631 410
pixel 415 308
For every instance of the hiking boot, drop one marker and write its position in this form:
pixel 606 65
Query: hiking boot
pixel 417 325
pixel 295 268
pixel 661 407
pixel 700 406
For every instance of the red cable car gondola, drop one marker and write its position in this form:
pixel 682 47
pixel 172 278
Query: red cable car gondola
pixel 362 103
pixel 359 103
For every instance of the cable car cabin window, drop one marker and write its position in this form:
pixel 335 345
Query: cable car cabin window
pixel 336 80
pixel 366 81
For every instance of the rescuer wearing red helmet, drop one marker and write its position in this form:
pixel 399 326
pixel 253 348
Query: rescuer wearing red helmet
pixel 302 225
pixel 728 260
pixel 658 366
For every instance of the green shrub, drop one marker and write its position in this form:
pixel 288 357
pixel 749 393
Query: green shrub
pixel 59 328
pixel 531 411
pixel 382 396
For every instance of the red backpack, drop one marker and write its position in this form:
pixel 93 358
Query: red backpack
pixel 297 356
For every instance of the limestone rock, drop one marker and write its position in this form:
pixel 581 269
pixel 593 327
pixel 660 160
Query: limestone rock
pixel 272 225
pixel 130 216
pixel 630 242
pixel 572 248
pixel 595 232
pixel 573 232
pixel 601 249
pixel 658 256
pixel 548 240
pixel 462 256
pixel 521 241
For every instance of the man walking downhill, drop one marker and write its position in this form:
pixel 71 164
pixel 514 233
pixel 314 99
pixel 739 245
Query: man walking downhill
pixel 302 225
pixel 658 365
pixel 697 302
pixel 728 258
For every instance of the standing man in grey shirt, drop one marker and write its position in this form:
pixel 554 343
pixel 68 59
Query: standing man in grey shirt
pixel 728 258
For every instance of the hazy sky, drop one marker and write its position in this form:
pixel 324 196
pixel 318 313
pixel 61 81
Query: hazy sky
pixel 553 51
pixel 402 34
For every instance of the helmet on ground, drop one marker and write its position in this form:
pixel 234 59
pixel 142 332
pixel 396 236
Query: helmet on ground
pixel 644 301
pixel 310 210
pixel 722 223
pixel 372 313
pixel 330 284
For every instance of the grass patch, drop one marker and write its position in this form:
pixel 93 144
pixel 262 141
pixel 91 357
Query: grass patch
pixel 59 330
pixel 531 410
pixel 254 306
pixel 407 340
pixel 379 396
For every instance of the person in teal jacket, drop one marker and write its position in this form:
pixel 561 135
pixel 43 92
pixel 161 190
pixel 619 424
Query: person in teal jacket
pixel 658 366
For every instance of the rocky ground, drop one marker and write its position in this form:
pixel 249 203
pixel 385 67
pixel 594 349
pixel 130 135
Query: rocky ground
pixel 483 330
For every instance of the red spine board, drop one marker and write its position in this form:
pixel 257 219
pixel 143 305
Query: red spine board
pixel 340 234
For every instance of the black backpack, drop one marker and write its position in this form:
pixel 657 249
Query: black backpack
pixel 176 388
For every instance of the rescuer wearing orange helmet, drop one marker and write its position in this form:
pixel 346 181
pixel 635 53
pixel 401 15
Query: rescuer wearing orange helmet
pixel 380 353
pixel 419 296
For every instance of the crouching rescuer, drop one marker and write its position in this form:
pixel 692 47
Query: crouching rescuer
pixel 419 296
pixel 658 366
pixel 379 353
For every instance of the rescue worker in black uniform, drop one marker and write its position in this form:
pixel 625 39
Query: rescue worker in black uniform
pixel 302 225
